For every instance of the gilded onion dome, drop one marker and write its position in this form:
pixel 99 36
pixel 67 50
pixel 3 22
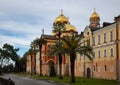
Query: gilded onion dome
pixel 70 27
pixel 61 18
pixel 94 16
pixel 94 20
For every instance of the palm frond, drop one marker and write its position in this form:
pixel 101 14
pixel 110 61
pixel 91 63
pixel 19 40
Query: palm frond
pixel 75 44
pixel 59 27
pixel 58 48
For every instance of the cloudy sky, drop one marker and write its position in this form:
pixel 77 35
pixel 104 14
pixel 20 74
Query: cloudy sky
pixel 21 21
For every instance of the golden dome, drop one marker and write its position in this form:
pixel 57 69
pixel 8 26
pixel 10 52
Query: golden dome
pixel 70 27
pixel 61 18
pixel 94 16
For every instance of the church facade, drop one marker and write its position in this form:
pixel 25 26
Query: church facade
pixel 104 40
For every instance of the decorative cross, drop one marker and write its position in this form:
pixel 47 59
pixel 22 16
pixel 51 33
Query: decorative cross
pixel 94 9
pixel 61 12
pixel 43 31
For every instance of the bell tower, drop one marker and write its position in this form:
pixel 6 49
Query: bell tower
pixel 94 20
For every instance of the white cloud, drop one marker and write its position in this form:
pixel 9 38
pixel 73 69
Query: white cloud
pixel 14 40
pixel 29 17
pixel 20 27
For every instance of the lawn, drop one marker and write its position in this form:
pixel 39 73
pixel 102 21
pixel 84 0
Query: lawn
pixel 79 80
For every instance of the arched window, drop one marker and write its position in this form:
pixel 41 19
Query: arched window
pixel 111 52
pixel 98 54
pixel 93 41
pixel 104 37
pixel 111 36
pixel 93 54
pixel 93 68
pixel 104 53
pixel 98 39
pixel 105 68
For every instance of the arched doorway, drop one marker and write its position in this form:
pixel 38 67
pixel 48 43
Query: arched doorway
pixel 88 72
pixel 51 68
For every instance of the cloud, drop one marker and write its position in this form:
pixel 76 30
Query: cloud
pixel 20 27
pixel 21 21
pixel 14 40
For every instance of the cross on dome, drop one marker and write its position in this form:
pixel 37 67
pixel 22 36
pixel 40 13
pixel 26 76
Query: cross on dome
pixel 61 12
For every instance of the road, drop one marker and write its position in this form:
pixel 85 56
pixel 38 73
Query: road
pixel 28 81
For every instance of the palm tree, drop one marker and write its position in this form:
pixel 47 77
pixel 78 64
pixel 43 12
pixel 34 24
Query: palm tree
pixel 73 45
pixel 40 42
pixel 58 51
pixel 31 53
pixel 58 28
pixel 33 45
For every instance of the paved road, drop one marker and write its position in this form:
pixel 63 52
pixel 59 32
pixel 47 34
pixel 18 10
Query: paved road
pixel 27 80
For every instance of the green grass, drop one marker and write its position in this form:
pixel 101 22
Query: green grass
pixel 79 80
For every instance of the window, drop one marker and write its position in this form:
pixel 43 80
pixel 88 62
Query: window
pixel 98 39
pixel 93 41
pixel 93 54
pixel 104 37
pixel 104 53
pixel 111 36
pixel 105 68
pixel 111 52
pixel 87 33
pixel 93 68
pixel 99 54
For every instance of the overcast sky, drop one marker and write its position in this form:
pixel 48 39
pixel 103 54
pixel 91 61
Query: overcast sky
pixel 21 21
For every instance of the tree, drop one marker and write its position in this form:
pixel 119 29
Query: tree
pixel 72 45
pixel 8 53
pixel 8 68
pixel 22 63
pixel 59 28
pixel 1 60
pixel 33 45
pixel 40 42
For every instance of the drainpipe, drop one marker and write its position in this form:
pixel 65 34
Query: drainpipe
pixel 117 47
pixel 92 69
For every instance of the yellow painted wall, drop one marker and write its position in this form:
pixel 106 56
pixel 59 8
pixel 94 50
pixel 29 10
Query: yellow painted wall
pixel 101 32
pixel 109 61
